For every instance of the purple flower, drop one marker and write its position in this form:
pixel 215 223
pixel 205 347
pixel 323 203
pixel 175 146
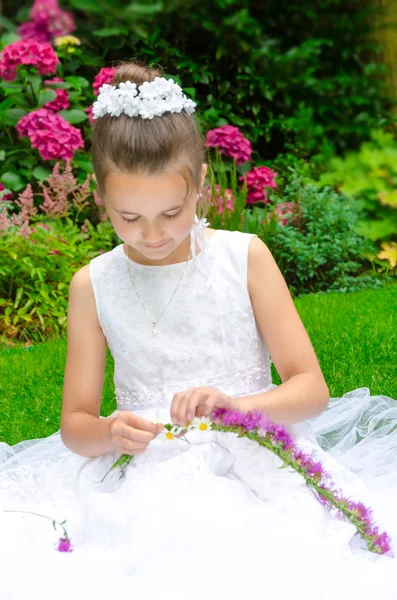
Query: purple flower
pixel 251 420
pixel 233 417
pixel 64 545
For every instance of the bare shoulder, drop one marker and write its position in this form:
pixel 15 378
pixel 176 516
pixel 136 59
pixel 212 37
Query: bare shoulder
pixel 261 261
pixel 279 322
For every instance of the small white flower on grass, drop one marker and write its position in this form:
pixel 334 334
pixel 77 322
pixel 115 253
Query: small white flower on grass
pixel 201 423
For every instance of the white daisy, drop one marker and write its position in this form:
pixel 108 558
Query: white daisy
pixel 201 423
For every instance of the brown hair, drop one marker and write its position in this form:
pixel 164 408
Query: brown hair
pixel 148 146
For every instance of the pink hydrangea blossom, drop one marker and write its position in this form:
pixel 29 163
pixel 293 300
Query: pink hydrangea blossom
pixel 27 52
pixel 230 141
pixel 5 197
pixel 61 102
pixel 54 137
pixel 48 22
pixel 219 200
pixel 258 180
pixel 105 75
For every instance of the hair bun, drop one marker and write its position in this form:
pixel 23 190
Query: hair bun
pixel 136 72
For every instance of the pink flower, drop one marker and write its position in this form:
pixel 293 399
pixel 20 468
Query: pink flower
pixel 61 102
pixel 25 230
pixel 251 420
pixel 230 141
pixel 27 52
pixel 284 211
pixel 105 75
pixel 6 197
pixel 89 113
pixel 54 137
pixel 219 200
pixel 257 180
pixel 64 545
pixel 48 22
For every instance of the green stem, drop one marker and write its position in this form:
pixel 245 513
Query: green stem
pixel 66 537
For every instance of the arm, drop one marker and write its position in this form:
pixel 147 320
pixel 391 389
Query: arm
pixel 82 431
pixel 303 392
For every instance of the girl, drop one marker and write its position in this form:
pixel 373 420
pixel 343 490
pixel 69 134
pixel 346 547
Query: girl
pixel 192 316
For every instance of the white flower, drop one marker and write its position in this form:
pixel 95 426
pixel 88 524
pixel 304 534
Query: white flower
pixel 201 423
pixel 169 435
pixel 202 224
pixel 153 100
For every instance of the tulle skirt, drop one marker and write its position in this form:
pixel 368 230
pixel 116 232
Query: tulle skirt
pixel 214 518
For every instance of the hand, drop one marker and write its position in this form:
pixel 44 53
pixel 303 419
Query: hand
pixel 130 434
pixel 198 402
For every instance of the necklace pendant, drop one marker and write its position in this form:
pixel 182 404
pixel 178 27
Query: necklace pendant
pixel 154 332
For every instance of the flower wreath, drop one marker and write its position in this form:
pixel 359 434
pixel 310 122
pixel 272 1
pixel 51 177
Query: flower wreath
pixel 151 99
pixel 259 428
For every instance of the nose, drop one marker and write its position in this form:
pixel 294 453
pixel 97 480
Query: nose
pixel 152 235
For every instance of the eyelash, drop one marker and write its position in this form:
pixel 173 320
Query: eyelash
pixel 133 220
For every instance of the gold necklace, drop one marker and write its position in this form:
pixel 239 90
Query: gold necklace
pixel 155 321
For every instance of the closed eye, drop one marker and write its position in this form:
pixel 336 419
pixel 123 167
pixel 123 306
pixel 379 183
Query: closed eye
pixel 136 219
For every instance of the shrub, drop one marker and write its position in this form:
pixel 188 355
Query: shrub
pixel 35 274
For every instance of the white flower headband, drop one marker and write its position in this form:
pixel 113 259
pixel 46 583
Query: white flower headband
pixel 153 99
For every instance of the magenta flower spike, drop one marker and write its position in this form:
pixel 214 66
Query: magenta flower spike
pixel 64 545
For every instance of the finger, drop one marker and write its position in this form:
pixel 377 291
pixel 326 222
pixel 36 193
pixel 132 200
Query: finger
pixel 193 404
pixel 175 406
pixel 137 435
pixel 139 423
pixel 206 406
pixel 183 404
pixel 132 447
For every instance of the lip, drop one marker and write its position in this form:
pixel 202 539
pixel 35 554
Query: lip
pixel 155 247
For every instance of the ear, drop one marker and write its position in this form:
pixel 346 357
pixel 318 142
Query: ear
pixel 204 169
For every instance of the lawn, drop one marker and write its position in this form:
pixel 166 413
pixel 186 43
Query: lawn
pixel 354 335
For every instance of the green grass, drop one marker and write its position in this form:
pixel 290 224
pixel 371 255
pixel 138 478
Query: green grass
pixel 354 336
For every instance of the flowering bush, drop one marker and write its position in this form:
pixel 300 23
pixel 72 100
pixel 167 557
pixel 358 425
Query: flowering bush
pixel 258 180
pixel 61 101
pixel 27 52
pixel 230 141
pixel 37 265
pixel 54 137
pixel 48 21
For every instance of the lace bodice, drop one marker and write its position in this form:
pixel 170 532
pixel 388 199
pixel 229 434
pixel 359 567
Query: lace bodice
pixel 207 336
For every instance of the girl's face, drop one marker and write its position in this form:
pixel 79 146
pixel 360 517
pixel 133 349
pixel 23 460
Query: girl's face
pixel 152 214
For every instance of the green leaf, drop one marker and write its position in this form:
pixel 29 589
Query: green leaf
pixel 46 96
pixel 73 116
pixel 85 165
pixel 87 5
pixel 8 24
pixel 12 181
pixel 35 82
pixel 2 155
pixel 78 83
pixel 11 116
pixel 144 9
pixel 40 173
pixel 109 31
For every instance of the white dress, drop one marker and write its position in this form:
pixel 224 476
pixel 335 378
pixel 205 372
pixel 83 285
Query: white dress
pixel 216 518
